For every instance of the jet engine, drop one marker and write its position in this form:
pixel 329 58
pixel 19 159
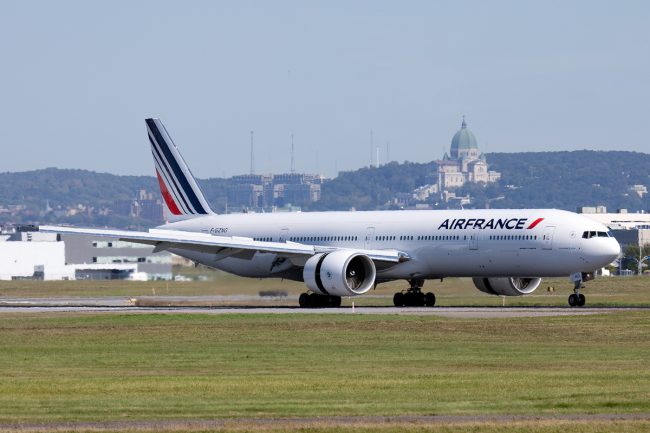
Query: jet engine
pixel 508 286
pixel 340 273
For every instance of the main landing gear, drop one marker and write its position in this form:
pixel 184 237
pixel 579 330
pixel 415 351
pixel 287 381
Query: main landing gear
pixel 312 300
pixel 413 296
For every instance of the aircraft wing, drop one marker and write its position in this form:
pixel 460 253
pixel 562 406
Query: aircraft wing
pixel 227 245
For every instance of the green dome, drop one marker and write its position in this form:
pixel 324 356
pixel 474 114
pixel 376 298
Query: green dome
pixel 463 140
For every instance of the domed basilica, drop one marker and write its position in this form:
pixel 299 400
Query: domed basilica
pixel 464 163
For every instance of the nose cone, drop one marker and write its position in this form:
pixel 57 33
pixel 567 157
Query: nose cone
pixel 605 251
pixel 601 252
pixel 613 249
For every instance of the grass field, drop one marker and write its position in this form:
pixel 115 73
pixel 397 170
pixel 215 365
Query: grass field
pixel 109 367
pixel 619 291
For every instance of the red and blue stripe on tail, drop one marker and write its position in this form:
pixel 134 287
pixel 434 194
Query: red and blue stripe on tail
pixel 182 195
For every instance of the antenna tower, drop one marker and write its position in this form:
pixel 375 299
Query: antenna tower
pixel 252 156
pixel 292 166
pixel 372 147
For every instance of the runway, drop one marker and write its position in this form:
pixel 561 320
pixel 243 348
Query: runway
pixel 175 305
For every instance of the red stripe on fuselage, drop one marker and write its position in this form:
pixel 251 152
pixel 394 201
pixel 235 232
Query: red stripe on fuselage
pixel 167 196
pixel 537 221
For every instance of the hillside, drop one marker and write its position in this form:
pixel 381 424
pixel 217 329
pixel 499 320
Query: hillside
pixel 561 180
pixel 568 179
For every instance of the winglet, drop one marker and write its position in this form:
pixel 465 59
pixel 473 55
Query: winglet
pixel 182 195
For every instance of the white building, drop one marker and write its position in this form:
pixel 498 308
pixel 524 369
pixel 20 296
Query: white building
pixel 621 220
pixel 39 260
pixel 42 256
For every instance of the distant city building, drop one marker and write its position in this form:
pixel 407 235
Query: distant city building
pixel 592 209
pixel 145 205
pixel 464 164
pixel 256 191
pixel 639 190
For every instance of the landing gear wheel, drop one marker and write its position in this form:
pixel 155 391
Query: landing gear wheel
pixel 312 300
pixel 303 300
pixel 413 296
pixel 573 300
pixel 334 301
pixel 577 299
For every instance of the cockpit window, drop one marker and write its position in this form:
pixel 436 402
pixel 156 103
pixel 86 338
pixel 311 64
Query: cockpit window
pixel 589 235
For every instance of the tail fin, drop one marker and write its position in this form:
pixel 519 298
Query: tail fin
pixel 183 197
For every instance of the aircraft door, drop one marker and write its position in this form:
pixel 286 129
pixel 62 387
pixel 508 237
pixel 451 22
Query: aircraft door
pixel 473 241
pixel 370 233
pixel 548 237
pixel 284 235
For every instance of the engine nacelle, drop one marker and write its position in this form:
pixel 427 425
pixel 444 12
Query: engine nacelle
pixel 508 286
pixel 340 273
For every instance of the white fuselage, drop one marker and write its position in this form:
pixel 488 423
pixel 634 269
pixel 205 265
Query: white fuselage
pixel 446 243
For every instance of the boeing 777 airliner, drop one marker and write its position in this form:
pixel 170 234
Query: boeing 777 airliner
pixel 506 252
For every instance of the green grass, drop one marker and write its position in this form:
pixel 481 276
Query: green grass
pixel 109 367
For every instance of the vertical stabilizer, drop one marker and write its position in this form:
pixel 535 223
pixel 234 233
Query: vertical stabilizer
pixel 182 195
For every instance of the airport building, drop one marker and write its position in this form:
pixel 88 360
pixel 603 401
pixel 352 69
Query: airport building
pixel 621 220
pixel 104 251
pixel 44 256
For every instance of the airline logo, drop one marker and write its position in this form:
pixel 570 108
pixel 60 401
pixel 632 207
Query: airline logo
pixel 180 191
pixel 493 223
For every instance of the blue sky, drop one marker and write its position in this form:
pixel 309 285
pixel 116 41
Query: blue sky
pixel 78 78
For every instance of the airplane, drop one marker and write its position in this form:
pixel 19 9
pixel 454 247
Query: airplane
pixel 343 254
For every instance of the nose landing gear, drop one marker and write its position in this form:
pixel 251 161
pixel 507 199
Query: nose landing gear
pixel 413 296
pixel 577 299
